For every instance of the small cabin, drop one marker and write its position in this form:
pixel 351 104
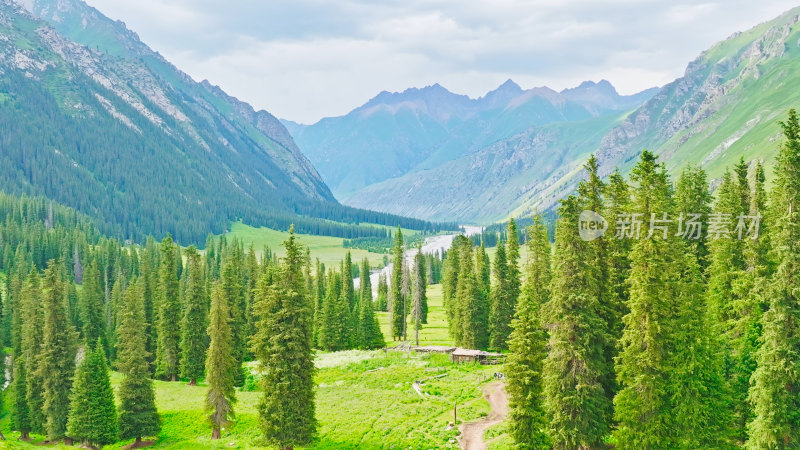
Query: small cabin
pixel 435 349
pixel 463 355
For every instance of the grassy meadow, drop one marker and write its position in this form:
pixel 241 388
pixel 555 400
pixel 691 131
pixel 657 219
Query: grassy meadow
pixel 365 400
pixel 328 249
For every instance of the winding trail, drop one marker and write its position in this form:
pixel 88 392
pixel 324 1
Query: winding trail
pixel 471 437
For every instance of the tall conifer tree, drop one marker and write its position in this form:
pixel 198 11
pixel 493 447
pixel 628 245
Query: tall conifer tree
pixel 370 336
pixel 398 315
pixel 92 415
pixel 194 340
pixel 31 346
pixel 92 307
pixel 528 340
pixel 220 364
pixel 590 196
pixel 775 384
pixel 56 365
pixel 419 292
pixel 502 306
pixel 575 368
pixel 472 305
pixel 169 313
pixel 138 417
pixel 671 384
pixel 282 344
pixel 232 281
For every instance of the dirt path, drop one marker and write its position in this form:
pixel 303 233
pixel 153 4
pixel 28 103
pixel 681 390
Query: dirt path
pixel 471 437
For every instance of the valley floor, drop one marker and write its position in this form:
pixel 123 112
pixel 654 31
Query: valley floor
pixel 365 399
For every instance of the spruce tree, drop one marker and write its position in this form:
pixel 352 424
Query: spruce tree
pixel 370 336
pixel 350 302
pixel 148 281
pixel 775 384
pixel 193 326
pixel 692 197
pixel 282 345
pixel 450 280
pixel 56 364
pixel 726 267
pixel 590 196
pixel 483 269
pixel 93 416
pixel 29 401
pixel 333 335
pixel 528 340
pixel 252 272
pixel 512 254
pixel 319 302
pixel 472 305
pixel 21 417
pixel 671 383
pixel 169 313
pixel 419 292
pixel 617 204
pixel 575 368
pixel 232 285
pixel 138 417
pixel 405 292
pixel 398 312
pixel 502 306
pixel 381 303
pixel 751 299
pixel 220 364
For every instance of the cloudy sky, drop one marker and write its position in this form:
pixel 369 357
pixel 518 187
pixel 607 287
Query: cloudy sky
pixel 307 59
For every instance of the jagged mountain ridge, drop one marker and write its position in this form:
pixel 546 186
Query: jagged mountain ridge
pixel 104 124
pixel 726 106
pixel 420 129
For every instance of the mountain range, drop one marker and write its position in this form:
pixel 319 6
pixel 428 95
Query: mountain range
pixel 530 150
pixel 92 118
pixel 421 129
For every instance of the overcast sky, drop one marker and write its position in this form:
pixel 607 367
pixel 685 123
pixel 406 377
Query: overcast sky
pixel 307 59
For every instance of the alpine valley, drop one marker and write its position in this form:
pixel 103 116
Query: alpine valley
pixel 440 156
pixel 179 270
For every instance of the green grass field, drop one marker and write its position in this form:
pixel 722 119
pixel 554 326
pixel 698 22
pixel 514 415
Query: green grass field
pixel 433 333
pixel 365 400
pixel 328 249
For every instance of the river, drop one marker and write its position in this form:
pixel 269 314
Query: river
pixel 431 245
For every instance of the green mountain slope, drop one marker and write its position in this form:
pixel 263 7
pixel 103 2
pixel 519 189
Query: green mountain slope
pixel 92 118
pixel 726 106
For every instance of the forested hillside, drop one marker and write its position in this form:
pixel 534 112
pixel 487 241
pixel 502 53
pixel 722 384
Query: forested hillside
pixel 109 127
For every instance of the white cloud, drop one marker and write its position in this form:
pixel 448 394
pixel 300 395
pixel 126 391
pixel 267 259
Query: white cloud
pixel 306 59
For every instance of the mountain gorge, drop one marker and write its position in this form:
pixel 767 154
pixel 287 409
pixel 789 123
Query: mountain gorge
pixel 726 106
pixel 94 119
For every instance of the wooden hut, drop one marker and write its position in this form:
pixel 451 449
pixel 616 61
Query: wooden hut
pixel 462 355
